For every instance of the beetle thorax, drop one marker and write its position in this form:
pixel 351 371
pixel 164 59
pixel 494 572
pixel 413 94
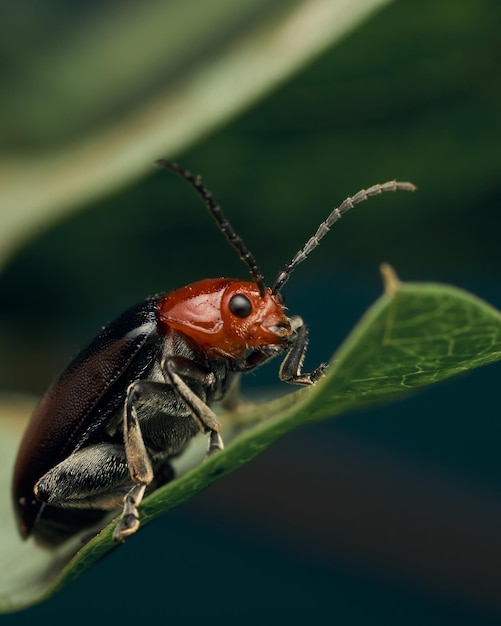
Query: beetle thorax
pixel 225 317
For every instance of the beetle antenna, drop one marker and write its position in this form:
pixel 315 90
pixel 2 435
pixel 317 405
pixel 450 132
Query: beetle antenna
pixel 324 227
pixel 223 224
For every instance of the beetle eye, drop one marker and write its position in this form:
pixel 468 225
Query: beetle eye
pixel 240 305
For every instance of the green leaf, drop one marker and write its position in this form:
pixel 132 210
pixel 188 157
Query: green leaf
pixel 89 110
pixel 413 335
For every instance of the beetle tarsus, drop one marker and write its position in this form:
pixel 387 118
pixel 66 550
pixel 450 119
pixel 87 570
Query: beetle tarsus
pixel 215 443
pixel 129 522
pixel 319 372
pixel 127 525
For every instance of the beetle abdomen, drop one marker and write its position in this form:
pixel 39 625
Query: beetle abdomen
pixel 91 388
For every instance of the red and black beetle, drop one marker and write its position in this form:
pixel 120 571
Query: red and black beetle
pixel 106 430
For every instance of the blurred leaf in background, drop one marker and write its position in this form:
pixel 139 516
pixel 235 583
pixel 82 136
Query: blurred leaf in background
pixel 97 92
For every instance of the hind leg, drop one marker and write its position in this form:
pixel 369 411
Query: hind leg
pixel 96 477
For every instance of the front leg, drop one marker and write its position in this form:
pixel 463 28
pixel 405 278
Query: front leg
pixel 290 370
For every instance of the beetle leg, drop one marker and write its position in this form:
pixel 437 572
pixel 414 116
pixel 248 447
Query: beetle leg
pixel 138 461
pixel 137 458
pixel 203 414
pixel 141 471
pixel 129 520
pixel 290 370
pixel 95 478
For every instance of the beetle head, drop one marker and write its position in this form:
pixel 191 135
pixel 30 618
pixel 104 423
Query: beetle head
pixel 225 317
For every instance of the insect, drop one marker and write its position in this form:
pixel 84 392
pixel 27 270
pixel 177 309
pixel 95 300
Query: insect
pixel 105 432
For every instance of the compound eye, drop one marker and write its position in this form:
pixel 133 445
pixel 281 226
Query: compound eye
pixel 240 305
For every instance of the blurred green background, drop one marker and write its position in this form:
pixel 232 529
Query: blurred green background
pixel 389 516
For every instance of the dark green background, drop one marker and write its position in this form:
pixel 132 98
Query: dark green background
pixel 389 516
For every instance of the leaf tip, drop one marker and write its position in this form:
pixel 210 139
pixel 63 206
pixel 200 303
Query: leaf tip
pixel 390 279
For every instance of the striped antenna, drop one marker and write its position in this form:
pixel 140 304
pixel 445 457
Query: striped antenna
pixel 324 227
pixel 223 224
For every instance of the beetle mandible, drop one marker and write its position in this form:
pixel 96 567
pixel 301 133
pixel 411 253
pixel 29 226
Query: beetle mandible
pixel 106 430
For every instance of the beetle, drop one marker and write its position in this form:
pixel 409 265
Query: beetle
pixel 104 434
